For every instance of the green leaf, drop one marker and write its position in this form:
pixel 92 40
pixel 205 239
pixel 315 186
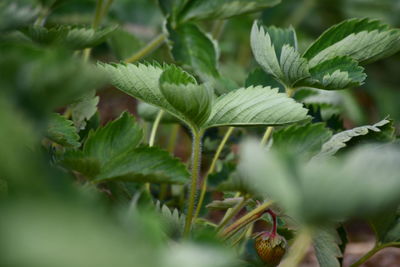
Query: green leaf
pixel 255 106
pixel 116 138
pixel 193 48
pixel 172 8
pixel 387 226
pixel 73 37
pixel 336 73
pixel 305 140
pixel 62 131
pixel 83 109
pixel 259 77
pixel 276 51
pixel 145 164
pixel 382 130
pixel 328 189
pixel 326 243
pixel 222 9
pixel 123 44
pixel 225 204
pixel 173 221
pixel 14 15
pixel 362 39
pixel 192 101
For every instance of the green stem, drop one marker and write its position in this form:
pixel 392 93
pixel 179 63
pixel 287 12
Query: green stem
pixel 148 48
pixel 155 127
pixel 196 157
pixel 250 217
pixel 232 214
pixel 373 251
pixel 211 169
pixel 298 249
pixel 270 129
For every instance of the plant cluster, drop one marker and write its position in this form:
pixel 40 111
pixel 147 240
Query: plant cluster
pixel 75 192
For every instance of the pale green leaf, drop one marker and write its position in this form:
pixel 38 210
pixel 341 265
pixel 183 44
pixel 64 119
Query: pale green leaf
pixel 275 50
pixel 362 39
pixel 326 241
pixel 173 221
pixel 145 164
pixel 255 106
pixel 341 140
pixel 73 37
pixel 304 140
pixel 83 109
pixel 221 9
pixel 336 73
pixel 193 48
pixel 328 189
pixel 62 131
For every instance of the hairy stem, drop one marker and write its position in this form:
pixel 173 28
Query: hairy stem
pixel 211 169
pixel 298 249
pixel 373 251
pixel 156 42
pixel 245 220
pixel 196 157
pixel 232 214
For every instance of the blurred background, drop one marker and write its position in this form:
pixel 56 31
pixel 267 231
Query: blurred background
pixel 49 219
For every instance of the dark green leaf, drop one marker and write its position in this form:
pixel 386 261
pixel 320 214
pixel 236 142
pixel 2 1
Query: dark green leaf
pixel 62 131
pixel 221 9
pixel 193 48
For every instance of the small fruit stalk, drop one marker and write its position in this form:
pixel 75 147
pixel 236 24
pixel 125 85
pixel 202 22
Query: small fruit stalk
pixel 270 246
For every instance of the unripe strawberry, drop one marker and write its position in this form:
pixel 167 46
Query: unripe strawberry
pixel 270 247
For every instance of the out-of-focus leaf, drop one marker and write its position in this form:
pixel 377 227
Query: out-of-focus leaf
pixel 193 48
pixel 172 8
pixel 329 189
pixel 364 40
pixel 276 51
pixel 149 113
pixel 326 243
pixel 382 130
pixel 301 140
pixel 15 14
pixel 255 106
pixel 39 81
pixel 73 37
pixel 62 131
pixel 123 44
pixel 173 221
pixel 387 226
pixel 222 9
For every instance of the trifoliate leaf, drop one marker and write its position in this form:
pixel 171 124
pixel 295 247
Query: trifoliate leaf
pixel 116 138
pixel 364 40
pixel 326 243
pixel 192 101
pixel 382 130
pixel 73 37
pixel 193 48
pixel 255 106
pixel 62 131
pixel 336 73
pixel 275 50
pixel 221 9
pixel 145 164
pixel 301 140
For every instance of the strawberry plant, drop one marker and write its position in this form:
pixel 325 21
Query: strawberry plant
pixel 191 148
